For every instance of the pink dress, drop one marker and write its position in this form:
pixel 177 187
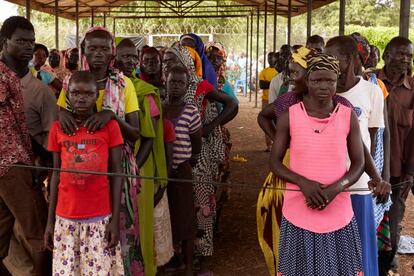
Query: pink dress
pixel 318 151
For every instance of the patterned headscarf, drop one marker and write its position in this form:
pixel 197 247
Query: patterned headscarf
pixel 114 96
pixel 187 61
pixel 210 46
pixel 209 74
pixel 322 62
pixel 143 76
pixel 363 47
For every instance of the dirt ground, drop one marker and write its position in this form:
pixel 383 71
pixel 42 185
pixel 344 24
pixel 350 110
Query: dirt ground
pixel 237 251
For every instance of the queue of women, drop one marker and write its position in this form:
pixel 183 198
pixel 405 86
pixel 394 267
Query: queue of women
pixel 157 115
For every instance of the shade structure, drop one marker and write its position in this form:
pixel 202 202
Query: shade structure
pixel 151 8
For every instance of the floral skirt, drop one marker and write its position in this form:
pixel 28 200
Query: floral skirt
pixel 80 249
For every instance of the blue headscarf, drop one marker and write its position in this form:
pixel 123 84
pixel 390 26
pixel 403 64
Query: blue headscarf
pixel 209 74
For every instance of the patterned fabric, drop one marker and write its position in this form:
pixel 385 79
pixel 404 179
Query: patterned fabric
pixel 384 234
pixel 221 50
pixel 322 62
pixel 362 46
pixel 269 217
pixel 306 253
pixel 80 249
pixel 15 146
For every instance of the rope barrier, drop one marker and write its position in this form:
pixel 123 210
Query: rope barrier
pixel 214 183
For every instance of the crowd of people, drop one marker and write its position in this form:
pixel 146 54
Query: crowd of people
pixel 341 144
pixel 126 120
pixel 109 154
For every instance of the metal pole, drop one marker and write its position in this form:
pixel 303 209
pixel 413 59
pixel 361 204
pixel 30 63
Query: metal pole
pixel 247 54
pixel 309 20
pixel 56 24
pixel 265 36
pixel 28 10
pixel 274 25
pixel 404 18
pixel 77 23
pixel 104 19
pixel 289 23
pixel 341 17
pixel 92 17
pixel 114 27
pixel 257 56
pixel 251 57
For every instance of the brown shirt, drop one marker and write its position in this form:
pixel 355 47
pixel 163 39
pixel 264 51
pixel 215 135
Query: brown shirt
pixel 400 106
pixel 39 107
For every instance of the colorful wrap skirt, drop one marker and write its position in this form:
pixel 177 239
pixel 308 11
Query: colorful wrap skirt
pixel 269 216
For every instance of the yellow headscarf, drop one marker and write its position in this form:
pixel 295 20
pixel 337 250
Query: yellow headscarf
pixel 197 61
pixel 300 56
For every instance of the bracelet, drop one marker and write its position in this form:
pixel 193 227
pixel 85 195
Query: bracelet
pixel 343 183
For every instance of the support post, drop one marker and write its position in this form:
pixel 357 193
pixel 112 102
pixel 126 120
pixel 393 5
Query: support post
pixel 289 23
pixel 104 19
pixel 114 27
pixel 341 17
pixel 257 56
pixel 28 10
pixel 309 20
pixel 57 24
pixel 77 23
pixel 404 18
pixel 265 36
pixel 247 53
pixel 251 57
pixel 274 25
pixel 92 17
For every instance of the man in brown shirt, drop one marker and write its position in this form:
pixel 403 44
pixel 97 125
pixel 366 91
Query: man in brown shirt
pixel 20 201
pixel 398 56
pixel 40 110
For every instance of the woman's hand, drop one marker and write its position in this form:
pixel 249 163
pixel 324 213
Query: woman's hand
pixel 48 235
pixel 112 233
pixel 67 122
pixel 313 194
pixel 330 192
pixel 99 120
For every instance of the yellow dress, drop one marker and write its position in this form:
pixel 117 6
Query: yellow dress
pixel 268 217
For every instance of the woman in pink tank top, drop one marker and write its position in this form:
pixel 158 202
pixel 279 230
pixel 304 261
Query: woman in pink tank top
pixel 319 235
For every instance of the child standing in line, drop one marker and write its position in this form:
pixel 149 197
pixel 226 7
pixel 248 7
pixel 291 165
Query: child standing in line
pixel 83 222
pixel 186 150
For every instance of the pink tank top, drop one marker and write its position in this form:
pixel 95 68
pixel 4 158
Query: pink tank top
pixel 318 151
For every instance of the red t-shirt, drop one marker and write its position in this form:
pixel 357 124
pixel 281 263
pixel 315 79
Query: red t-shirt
pixel 169 131
pixel 84 195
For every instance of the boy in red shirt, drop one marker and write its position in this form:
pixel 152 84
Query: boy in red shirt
pixel 83 222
